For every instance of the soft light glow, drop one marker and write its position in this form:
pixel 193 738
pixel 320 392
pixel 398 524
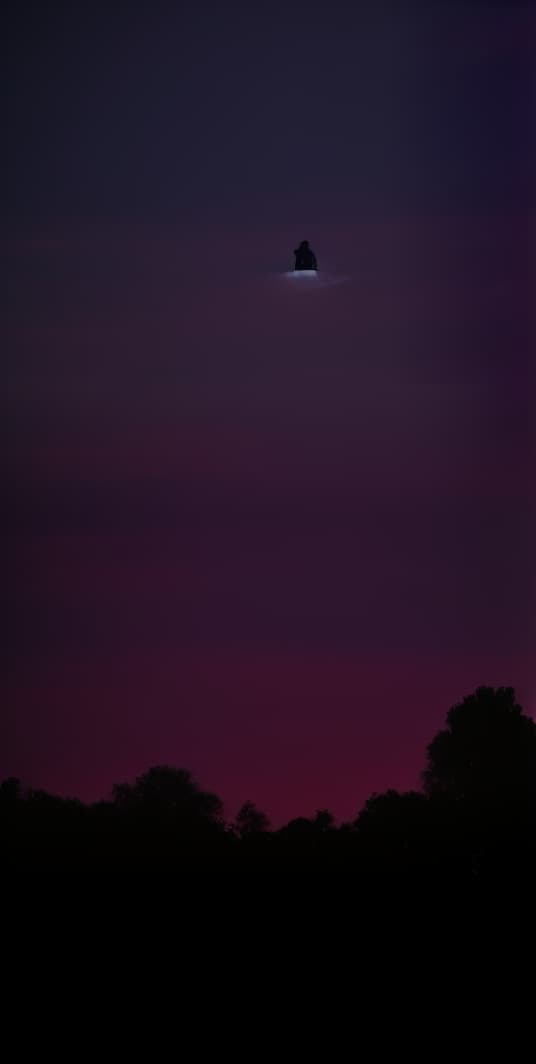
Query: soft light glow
pixel 321 278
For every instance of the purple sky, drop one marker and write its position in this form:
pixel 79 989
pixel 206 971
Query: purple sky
pixel 266 534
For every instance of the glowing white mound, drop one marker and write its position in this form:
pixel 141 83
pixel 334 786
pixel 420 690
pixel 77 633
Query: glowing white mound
pixel 307 279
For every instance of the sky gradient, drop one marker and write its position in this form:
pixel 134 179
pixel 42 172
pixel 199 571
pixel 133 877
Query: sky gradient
pixel 266 534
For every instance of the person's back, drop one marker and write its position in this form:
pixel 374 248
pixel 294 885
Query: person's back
pixel 305 257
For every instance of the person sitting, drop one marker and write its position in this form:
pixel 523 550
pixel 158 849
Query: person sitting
pixel 305 257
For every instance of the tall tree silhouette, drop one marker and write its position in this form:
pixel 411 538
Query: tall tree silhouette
pixel 487 752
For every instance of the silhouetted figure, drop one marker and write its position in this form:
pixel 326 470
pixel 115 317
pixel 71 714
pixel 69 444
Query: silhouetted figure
pixel 305 257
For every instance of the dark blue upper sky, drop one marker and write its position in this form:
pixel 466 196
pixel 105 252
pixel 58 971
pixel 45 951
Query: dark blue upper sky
pixel 237 111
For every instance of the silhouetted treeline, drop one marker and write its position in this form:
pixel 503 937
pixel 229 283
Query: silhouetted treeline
pixel 475 814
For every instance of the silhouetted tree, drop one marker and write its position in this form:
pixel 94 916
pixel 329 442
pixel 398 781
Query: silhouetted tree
pixel 165 814
pixel 10 791
pixel 299 828
pixel 164 790
pixel 477 815
pixel 393 821
pixel 408 834
pixel 309 836
pixel 486 753
pixel 324 820
pixel 251 821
